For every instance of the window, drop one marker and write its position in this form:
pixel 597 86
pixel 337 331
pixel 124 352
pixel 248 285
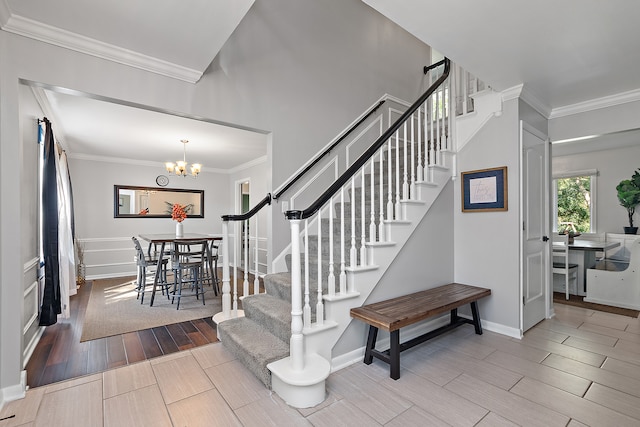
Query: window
pixel 574 201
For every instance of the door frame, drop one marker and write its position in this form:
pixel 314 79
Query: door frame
pixel 524 126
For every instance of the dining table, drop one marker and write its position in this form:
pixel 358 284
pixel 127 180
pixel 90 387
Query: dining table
pixel 583 252
pixel 162 239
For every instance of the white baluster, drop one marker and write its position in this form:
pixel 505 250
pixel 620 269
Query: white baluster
pixel 437 124
pixel 405 172
pixel 398 214
pixel 389 183
pixel 319 306
pixel 343 274
pixel 431 131
pixel 226 288
pixel 319 253
pixel 331 281
pixel 420 176
pixel 256 276
pixel 245 264
pixel 412 188
pixel 296 343
pixel 381 233
pixel 372 217
pixel 465 94
pixel 353 253
pixel 363 237
pixel 236 234
pixel 306 311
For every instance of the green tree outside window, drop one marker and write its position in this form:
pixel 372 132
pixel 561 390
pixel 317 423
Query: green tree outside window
pixel 574 202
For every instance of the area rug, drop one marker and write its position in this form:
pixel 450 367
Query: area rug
pixel 113 309
pixel 576 301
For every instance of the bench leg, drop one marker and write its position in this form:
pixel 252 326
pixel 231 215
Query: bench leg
pixel 371 344
pixel 454 316
pixel 394 354
pixel 476 317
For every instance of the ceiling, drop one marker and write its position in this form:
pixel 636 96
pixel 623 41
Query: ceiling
pixel 565 54
pixel 93 128
pixel 145 34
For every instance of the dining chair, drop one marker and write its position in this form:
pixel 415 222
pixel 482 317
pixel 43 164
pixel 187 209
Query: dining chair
pixel 561 265
pixel 146 266
pixel 188 266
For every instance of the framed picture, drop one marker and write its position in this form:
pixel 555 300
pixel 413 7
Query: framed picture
pixel 484 190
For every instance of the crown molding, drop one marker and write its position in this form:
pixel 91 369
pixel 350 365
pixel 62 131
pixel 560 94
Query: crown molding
pixel 5 13
pixel 247 165
pixel 66 39
pixel 535 103
pixel 511 93
pixel 595 104
pixel 160 166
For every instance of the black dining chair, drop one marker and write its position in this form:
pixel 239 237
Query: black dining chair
pixel 188 266
pixel 146 266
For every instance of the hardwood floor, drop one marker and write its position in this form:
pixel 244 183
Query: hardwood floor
pixel 60 355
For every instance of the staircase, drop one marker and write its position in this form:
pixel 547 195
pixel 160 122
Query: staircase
pixel 345 242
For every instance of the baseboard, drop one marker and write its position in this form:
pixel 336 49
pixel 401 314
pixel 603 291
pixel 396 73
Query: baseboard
pixel 32 346
pixel 357 355
pixel 14 392
pixel 612 303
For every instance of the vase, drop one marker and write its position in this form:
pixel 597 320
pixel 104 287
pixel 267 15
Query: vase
pixel 179 231
pixel 630 230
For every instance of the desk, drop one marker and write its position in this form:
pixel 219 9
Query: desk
pixel 583 253
pixel 163 239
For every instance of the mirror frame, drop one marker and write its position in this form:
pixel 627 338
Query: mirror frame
pixel 116 200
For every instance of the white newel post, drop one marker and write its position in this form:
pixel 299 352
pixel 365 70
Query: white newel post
pixel 300 378
pixel 297 339
pixel 225 314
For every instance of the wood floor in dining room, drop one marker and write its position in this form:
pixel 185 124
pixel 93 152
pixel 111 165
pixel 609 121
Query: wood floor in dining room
pixel 59 355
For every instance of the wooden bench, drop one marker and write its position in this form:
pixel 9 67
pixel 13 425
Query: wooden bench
pixel 393 314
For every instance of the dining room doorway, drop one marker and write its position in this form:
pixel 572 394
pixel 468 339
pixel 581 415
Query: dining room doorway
pixel 243 204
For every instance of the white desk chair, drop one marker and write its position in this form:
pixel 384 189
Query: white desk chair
pixel 561 261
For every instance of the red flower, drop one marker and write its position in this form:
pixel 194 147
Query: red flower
pixel 178 213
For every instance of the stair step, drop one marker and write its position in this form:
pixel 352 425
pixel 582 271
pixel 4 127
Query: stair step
pixel 271 312
pixel 239 336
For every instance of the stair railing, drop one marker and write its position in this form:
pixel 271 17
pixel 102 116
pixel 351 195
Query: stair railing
pixel 365 209
pixel 229 298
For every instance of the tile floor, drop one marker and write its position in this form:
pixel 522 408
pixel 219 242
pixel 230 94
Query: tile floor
pixel 580 368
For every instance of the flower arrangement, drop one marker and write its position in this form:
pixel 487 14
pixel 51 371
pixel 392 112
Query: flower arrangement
pixel 178 213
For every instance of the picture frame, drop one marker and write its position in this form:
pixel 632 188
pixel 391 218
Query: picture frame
pixel 484 190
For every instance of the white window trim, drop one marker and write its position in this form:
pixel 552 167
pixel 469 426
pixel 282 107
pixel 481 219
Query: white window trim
pixel 593 173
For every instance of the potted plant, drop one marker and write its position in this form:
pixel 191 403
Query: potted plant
pixel 629 198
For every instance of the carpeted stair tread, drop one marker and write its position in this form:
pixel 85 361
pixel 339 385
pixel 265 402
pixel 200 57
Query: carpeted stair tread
pixel 240 337
pixel 271 312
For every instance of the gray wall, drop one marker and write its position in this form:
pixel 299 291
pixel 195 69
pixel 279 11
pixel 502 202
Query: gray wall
pixel 487 244
pixel 424 262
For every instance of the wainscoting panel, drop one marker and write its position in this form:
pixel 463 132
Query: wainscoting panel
pixel 30 306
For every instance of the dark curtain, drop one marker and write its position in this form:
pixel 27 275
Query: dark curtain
pixel 51 296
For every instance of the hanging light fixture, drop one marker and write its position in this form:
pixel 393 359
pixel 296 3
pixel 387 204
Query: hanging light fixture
pixel 180 167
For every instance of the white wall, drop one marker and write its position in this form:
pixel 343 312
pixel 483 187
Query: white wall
pixel 487 244
pixel 613 166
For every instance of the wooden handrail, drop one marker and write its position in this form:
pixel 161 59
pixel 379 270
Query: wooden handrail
pixel 371 151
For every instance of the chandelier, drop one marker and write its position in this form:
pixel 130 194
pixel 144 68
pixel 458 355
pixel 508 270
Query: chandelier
pixel 180 167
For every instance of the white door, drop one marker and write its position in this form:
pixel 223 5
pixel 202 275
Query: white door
pixel 535 226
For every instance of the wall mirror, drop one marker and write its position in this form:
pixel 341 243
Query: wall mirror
pixel 151 202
